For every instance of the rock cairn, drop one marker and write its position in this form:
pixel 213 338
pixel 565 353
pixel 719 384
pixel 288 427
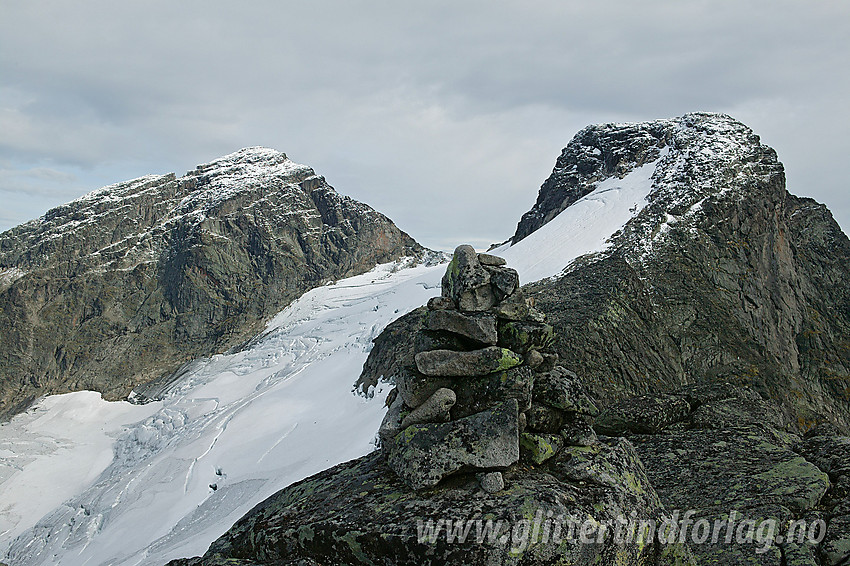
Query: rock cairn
pixel 484 389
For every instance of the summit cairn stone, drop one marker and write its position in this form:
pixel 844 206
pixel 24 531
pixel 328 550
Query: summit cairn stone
pixel 467 283
pixel 482 390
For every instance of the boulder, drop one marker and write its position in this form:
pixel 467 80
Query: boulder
pixel 475 394
pixel 434 410
pixel 562 389
pixel 442 363
pixel 415 388
pixel 424 454
pixel 539 447
pixel 467 283
pixel 480 328
pixel 522 336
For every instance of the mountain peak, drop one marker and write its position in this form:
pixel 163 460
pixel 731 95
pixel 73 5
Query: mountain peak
pixel 705 151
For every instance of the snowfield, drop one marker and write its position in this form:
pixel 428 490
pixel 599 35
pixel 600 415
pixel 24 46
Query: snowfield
pixel 87 482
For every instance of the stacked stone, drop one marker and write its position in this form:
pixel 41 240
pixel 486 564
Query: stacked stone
pixel 484 388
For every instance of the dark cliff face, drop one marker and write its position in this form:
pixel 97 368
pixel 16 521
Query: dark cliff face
pixel 724 276
pixel 122 286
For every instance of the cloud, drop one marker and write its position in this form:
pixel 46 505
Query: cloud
pixel 447 116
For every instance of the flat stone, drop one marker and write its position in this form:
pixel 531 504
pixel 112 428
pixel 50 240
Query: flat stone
pixel 441 304
pixel 466 281
pixel 481 328
pixel 493 260
pixel 434 410
pixel 560 388
pixel 444 363
pixel 424 454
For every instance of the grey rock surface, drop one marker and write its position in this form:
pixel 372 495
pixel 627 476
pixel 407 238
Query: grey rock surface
pixel 480 328
pixel 424 454
pixel 466 281
pixel 444 363
pixel 434 410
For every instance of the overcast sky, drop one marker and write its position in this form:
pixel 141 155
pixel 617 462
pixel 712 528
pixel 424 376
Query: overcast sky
pixel 446 116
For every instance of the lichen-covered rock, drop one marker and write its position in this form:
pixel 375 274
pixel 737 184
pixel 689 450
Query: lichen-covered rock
pixel 441 304
pixel 478 327
pixel 491 482
pixel 360 512
pixel 648 414
pixel 441 363
pixel 474 394
pixel 716 471
pixel 415 388
pixel 836 546
pixel 562 389
pixel 542 418
pixel 427 340
pixel 579 432
pixel 539 447
pixel 503 280
pixel 391 425
pixel 522 336
pixel 434 410
pixel 466 281
pixel 424 454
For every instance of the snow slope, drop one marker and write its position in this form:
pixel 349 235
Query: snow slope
pixel 582 228
pixel 248 423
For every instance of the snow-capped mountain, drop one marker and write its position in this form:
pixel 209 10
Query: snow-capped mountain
pixel 122 286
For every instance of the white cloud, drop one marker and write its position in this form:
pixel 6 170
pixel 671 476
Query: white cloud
pixel 447 116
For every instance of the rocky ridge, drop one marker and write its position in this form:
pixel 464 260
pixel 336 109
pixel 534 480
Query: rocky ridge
pixel 119 288
pixel 723 276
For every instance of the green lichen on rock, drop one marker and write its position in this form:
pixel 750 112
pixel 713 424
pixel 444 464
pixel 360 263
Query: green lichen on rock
pixel 539 447
pixel 360 512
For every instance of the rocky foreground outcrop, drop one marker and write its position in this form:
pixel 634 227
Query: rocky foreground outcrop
pixel 122 286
